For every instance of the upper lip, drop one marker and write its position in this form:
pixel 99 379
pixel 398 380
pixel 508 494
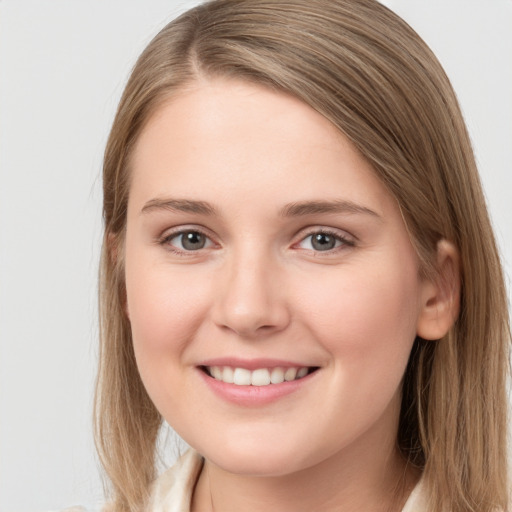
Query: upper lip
pixel 253 364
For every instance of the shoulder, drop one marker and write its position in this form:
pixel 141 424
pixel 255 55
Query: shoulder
pixel 172 491
pixel 417 501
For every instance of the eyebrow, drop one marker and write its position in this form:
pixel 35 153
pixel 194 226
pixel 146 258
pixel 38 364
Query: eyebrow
pixel 314 207
pixel 296 209
pixel 180 205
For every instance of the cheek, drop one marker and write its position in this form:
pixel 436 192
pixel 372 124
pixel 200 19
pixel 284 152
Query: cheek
pixel 367 317
pixel 165 310
pixel 367 323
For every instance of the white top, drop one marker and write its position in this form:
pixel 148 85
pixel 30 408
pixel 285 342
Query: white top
pixel 173 489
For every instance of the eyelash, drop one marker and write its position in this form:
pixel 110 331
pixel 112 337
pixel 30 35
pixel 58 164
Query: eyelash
pixel 168 237
pixel 343 241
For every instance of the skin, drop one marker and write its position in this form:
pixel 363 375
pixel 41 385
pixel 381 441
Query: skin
pixel 260 288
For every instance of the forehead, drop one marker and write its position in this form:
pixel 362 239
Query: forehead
pixel 239 138
pixel 211 110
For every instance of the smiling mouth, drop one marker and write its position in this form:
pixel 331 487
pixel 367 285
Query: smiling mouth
pixel 258 377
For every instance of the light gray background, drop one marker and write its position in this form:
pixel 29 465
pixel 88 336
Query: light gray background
pixel 63 64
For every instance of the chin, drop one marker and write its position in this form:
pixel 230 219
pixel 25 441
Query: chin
pixel 256 459
pixel 261 465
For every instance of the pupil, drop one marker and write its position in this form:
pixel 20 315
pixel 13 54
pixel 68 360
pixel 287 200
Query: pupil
pixel 193 241
pixel 323 242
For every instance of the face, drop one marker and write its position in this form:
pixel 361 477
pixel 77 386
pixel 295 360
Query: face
pixel 272 289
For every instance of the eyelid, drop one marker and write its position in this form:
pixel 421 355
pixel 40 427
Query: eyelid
pixel 347 239
pixel 172 233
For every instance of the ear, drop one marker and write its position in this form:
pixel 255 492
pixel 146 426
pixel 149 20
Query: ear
pixel 440 302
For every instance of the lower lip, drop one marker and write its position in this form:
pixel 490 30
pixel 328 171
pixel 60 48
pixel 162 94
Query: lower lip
pixel 253 396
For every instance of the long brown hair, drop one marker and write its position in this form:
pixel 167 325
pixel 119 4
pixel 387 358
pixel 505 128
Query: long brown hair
pixel 371 75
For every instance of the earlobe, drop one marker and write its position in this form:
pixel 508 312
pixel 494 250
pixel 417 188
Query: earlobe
pixel 441 296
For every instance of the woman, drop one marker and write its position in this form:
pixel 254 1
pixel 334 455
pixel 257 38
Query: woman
pixel 299 274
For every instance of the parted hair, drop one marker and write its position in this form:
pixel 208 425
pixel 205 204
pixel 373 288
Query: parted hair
pixel 371 75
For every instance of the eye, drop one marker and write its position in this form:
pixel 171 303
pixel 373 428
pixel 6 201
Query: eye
pixel 188 241
pixel 324 241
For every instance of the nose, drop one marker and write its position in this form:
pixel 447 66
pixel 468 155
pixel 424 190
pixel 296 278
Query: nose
pixel 251 300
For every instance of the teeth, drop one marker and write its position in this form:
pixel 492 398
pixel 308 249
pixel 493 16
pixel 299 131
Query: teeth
pixel 241 377
pixel 227 375
pixel 302 372
pixel 277 376
pixel 216 372
pixel 259 377
pixel 290 374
